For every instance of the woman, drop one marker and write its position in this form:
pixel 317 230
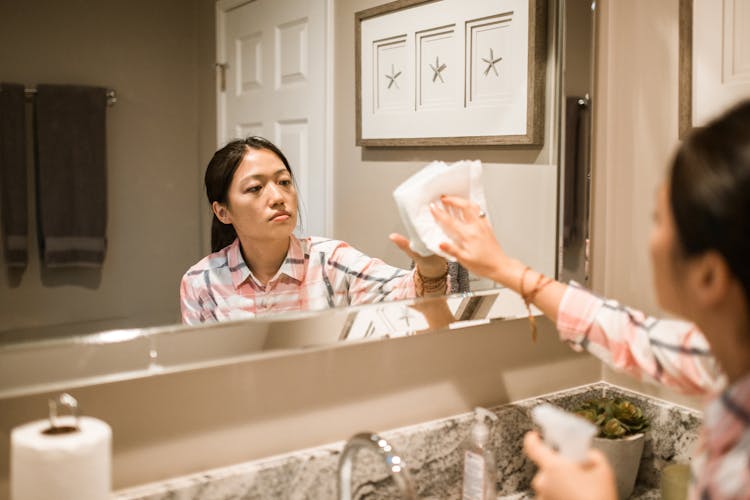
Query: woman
pixel 700 249
pixel 258 265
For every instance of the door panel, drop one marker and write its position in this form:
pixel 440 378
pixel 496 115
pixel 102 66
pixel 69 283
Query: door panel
pixel 276 87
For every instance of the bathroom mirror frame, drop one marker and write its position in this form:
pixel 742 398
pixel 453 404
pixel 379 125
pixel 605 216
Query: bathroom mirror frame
pixel 125 354
pixel 576 107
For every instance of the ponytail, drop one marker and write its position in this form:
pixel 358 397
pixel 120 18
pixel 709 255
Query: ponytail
pixel 222 234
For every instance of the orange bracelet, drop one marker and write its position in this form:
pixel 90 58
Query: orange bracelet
pixel 541 282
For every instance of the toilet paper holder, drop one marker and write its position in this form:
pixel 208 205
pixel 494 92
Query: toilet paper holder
pixel 67 401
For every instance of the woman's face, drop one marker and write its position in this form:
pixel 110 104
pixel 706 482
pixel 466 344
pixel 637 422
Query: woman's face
pixel 262 200
pixel 664 255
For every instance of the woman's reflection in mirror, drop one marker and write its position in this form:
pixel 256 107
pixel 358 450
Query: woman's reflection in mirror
pixel 258 265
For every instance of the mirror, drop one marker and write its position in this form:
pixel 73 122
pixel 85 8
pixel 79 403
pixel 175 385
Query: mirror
pixel 160 60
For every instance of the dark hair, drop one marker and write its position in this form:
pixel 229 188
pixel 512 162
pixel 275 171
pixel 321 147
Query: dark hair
pixel 218 178
pixel 710 191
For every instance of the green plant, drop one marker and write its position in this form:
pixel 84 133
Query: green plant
pixel 615 417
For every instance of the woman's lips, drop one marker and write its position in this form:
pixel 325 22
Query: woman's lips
pixel 281 217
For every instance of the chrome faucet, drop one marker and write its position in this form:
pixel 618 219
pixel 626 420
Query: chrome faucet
pixel 394 463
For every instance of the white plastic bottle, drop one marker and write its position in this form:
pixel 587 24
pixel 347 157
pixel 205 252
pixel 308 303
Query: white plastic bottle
pixel 563 431
pixel 480 472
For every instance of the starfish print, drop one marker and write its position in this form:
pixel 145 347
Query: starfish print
pixel 491 63
pixel 392 77
pixel 405 316
pixel 437 70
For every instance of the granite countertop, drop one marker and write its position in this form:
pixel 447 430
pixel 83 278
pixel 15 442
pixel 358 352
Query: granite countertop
pixel 432 452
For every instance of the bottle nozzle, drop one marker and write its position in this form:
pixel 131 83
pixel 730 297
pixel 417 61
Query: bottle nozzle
pixel 570 434
pixel 483 414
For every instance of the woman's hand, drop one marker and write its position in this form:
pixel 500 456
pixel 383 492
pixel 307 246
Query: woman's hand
pixel 433 266
pixel 561 479
pixel 435 311
pixel 474 244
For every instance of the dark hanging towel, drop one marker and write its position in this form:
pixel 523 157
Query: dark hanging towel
pixel 71 174
pixel 13 174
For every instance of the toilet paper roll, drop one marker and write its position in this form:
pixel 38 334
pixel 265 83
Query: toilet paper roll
pixel 71 465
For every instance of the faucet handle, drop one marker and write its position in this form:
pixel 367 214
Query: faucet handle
pixel 393 461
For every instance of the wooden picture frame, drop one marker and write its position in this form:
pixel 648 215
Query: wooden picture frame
pixel 685 68
pixel 459 113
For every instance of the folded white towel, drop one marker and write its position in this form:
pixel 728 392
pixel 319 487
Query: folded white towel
pixel 413 197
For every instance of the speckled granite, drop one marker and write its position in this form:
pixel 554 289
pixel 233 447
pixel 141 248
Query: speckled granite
pixel 432 452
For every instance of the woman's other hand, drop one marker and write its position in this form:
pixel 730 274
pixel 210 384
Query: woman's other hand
pixel 473 243
pixel 435 311
pixel 561 479
pixel 433 266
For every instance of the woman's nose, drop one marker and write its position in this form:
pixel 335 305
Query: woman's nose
pixel 275 193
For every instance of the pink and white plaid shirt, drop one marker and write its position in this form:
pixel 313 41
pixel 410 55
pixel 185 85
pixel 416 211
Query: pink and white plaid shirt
pixel 676 354
pixel 317 273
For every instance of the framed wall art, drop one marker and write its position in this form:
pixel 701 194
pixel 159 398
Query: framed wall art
pixel 451 72
pixel 714 60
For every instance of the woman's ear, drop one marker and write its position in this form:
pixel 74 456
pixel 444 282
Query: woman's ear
pixel 221 212
pixel 711 279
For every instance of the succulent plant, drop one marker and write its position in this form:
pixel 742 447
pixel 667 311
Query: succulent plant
pixel 615 417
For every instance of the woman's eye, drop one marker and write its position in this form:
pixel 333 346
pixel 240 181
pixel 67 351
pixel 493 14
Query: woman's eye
pixel 285 182
pixel 252 189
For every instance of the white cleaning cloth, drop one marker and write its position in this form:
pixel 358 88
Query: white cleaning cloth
pixel 413 197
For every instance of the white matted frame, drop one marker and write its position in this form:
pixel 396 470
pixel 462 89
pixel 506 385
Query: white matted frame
pixel 451 72
pixel 714 61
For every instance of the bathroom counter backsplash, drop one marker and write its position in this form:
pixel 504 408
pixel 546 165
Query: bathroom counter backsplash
pixel 432 451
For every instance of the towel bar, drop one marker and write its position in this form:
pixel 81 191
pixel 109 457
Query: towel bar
pixel 111 95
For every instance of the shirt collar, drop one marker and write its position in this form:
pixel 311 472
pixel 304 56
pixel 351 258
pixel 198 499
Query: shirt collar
pixel 295 262
pixel 293 266
pixel 237 266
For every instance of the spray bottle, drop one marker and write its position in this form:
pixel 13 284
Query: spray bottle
pixel 480 474
pixel 565 432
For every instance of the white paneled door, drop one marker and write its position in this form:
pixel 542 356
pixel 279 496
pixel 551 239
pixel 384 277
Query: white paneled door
pixel 721 57
pixel 273 73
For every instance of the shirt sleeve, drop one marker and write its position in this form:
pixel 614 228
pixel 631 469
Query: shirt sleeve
pixel 670 352
pixel 369 279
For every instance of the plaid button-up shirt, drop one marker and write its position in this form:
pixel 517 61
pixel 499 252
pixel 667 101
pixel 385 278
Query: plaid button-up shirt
pixel 317 273
pixel 676 354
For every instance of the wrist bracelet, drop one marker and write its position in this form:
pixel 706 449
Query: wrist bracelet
pixel 423 284
pixel 541 282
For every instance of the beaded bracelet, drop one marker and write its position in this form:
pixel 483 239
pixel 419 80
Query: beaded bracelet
pixel 423 284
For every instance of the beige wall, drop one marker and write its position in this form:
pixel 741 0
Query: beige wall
pixel 636 135
pixel 158 57
pixel 176 424
pixel 520 183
